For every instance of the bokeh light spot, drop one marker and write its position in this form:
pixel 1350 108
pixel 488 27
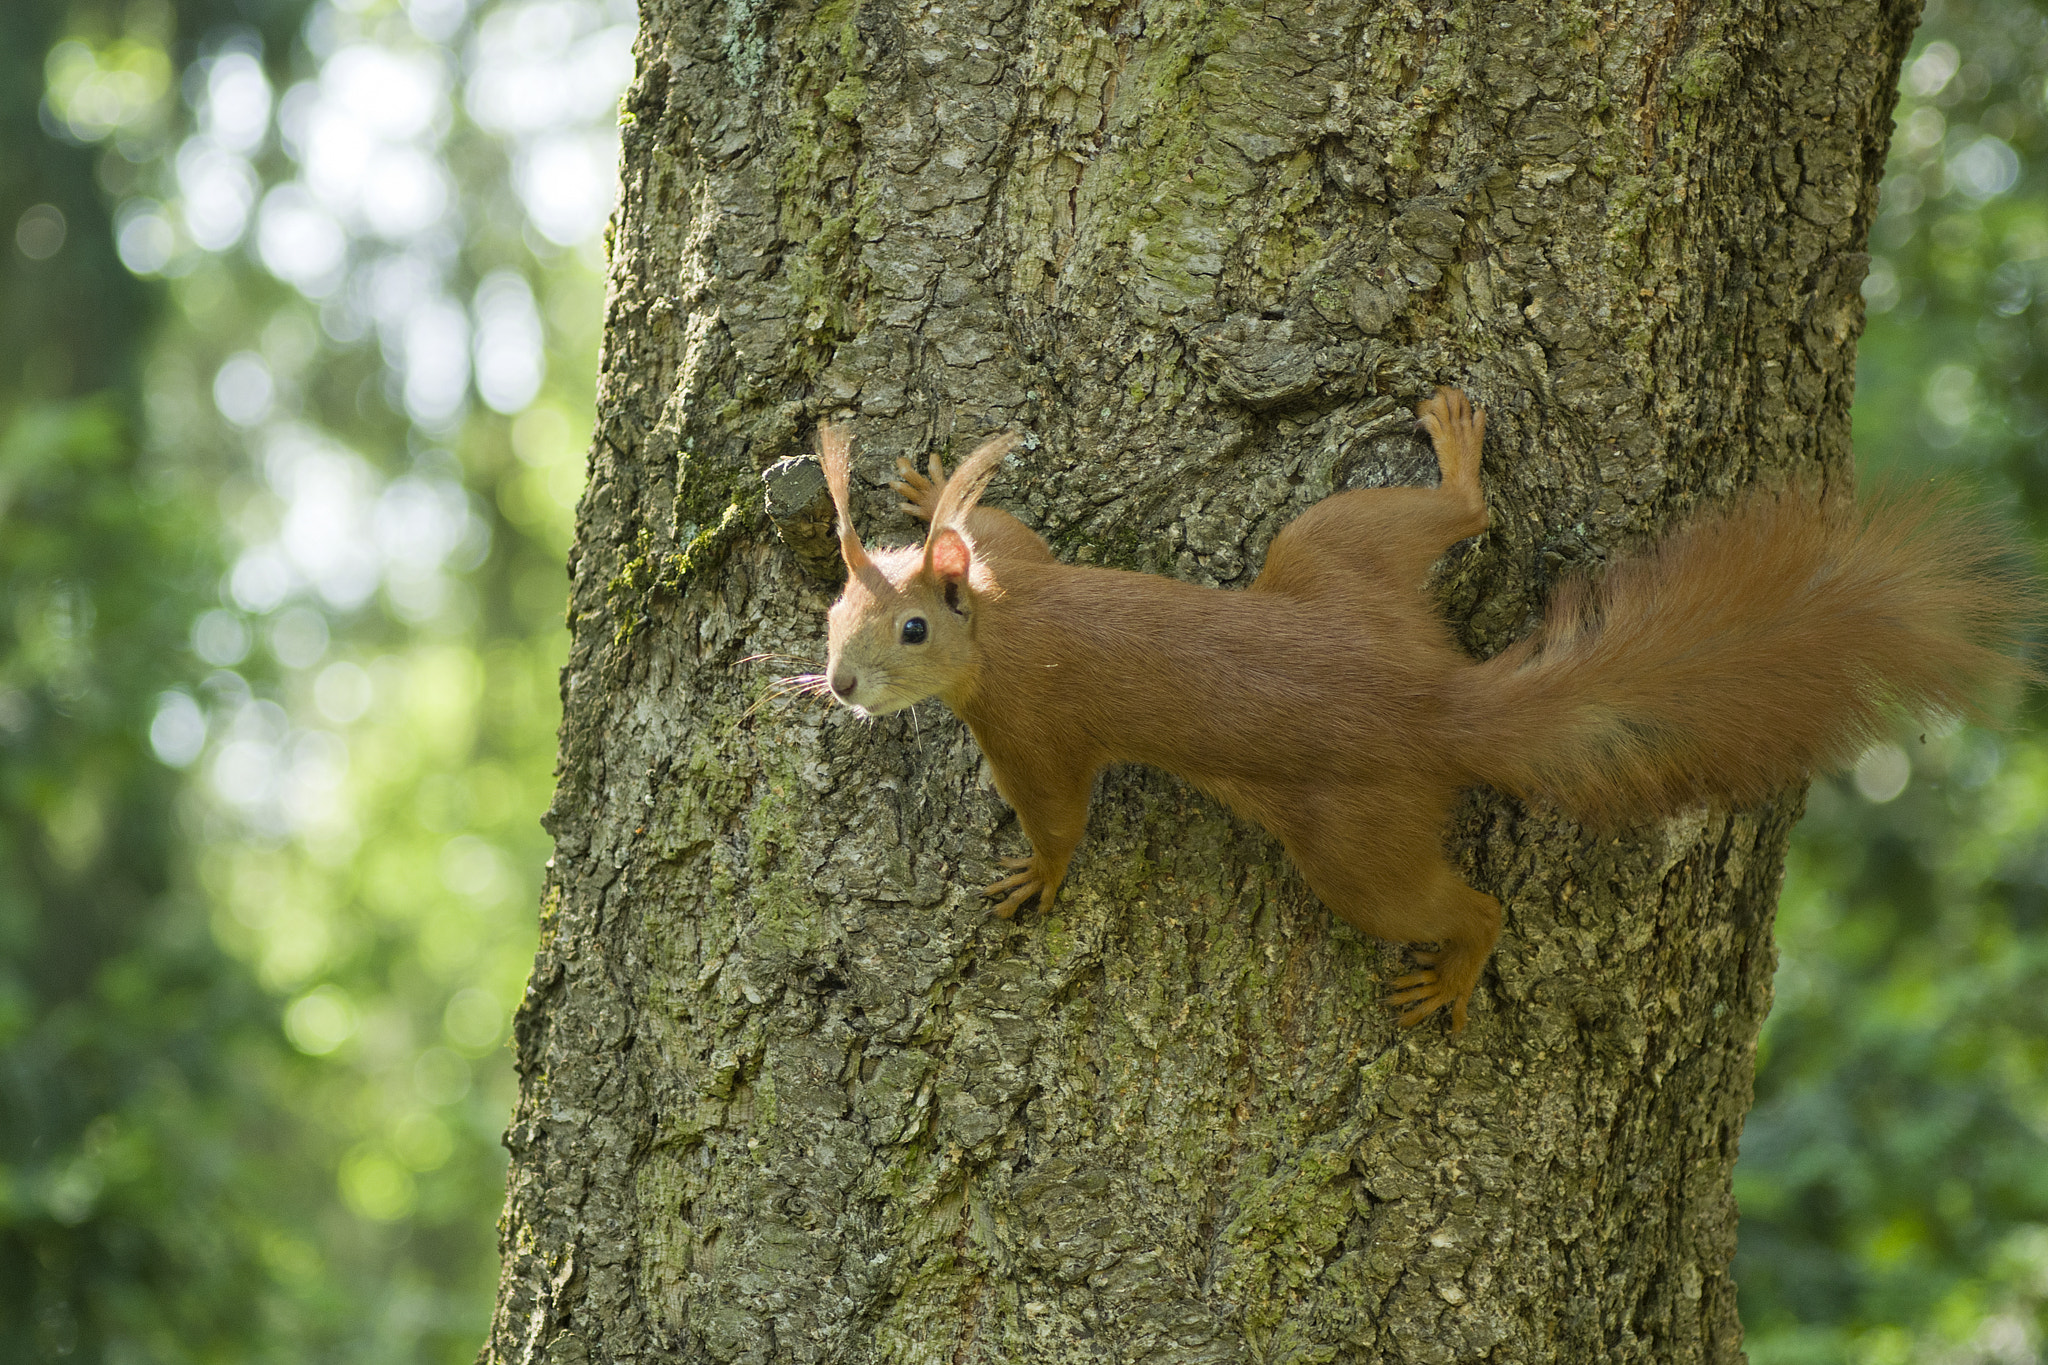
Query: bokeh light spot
pixel 39 233
pixel 321 1020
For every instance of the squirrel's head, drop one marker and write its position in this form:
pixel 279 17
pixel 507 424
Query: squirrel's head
pixel 903 629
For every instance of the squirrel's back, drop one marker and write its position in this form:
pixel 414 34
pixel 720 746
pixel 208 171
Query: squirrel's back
pixel 1208 682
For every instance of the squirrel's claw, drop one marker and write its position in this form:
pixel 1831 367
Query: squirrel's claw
pixel 1014 902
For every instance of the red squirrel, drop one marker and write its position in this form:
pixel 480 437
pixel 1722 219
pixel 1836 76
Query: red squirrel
pixel 1330 703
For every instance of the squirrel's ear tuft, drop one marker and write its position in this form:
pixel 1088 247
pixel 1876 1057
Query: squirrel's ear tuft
pixel 948 556
pixel 834 442
pixel 970 480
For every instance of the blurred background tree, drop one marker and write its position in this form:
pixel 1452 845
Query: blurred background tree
pixel 297 322
pixel 1894 1174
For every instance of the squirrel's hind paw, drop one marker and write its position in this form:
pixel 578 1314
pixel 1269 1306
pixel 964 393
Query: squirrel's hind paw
pixel 1024 882
pixel 1426 991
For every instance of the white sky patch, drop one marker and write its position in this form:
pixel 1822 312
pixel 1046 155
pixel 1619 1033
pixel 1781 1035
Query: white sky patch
pixel 366 136
pixel 246 770
pixel 235 113
pixel 220 637
pixel 546 76
pixel 372 197
pixel 420 521
pixel 260 580
pixel 549 64
pixel 367 221
pixel 392 289
pixel 435 360
pixel 178 731
pixel 216 190
pixel 396 95
pixel 1985 169
pixel 300 242
pixel 511 356
pixel 436 20
pixel 404 192
pixel 329 494
pixel 243 389
pixel 144 237
pixel 568 183
pixel 1928 73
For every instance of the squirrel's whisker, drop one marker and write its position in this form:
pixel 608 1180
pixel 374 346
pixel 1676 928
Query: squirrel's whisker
pixel 797 685
pixel 776 658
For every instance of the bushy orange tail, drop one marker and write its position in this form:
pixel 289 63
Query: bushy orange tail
pixel 1748 650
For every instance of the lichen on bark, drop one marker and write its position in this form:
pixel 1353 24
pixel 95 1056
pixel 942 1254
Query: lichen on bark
pixel 788 1092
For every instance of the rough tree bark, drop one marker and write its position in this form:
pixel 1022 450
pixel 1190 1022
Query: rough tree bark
pixel 789 1093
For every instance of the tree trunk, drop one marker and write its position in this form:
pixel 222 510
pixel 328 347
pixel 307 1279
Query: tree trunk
pixel 790 1092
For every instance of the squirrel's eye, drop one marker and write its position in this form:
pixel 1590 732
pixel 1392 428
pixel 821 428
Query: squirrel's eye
pixel 913 631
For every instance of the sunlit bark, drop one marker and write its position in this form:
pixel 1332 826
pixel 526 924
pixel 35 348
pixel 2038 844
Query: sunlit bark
pixel 789 1092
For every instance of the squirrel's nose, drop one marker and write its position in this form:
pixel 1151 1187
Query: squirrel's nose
pixel 843 685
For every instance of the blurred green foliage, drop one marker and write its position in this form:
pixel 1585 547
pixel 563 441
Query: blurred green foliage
pixel 280 623
pixel 268 783
pixel 1894 1174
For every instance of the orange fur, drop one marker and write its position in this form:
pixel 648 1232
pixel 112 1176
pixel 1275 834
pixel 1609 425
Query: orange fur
pixel 1330 703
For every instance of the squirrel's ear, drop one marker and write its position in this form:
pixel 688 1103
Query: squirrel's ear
pixel 833 444
pixel 965 488
pixel 947 555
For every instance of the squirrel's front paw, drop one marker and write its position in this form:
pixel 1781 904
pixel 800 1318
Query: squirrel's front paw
pixel 1448 416
pixel 1024 882
pixel 920 492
